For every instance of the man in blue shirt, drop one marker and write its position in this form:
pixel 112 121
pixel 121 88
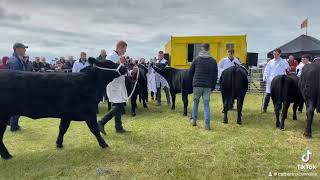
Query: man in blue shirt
pixel 17 62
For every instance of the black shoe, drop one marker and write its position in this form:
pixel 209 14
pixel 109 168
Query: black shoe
pixel 101 128
pixel 121 131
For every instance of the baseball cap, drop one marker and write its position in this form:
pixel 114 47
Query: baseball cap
pixel 19 45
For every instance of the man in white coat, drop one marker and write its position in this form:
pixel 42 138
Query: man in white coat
pixel 161 82
pixel 227 62
pixel 116 92
pixel 81 63
pixel 274 67
pixel 305 59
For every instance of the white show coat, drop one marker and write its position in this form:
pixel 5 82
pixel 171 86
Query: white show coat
pixel 160 80
pixel 273 69
pixel 116 89
pixel 77 66
pixel 299 68
pixel 225 63
pixel 151 77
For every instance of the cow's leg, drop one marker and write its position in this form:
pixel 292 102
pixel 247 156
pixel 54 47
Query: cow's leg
pixel 185 104
pixel 64 125
pixel 145 105
pixel 301 102
pixel 310 113
pixel 225 111
pixel 133 104
pixel 93 126
pixel 144 96
pixel 277 109
pixel 3 126
pixel 284 114
pixel 294 109
pixel 140 99
pixel 225 108
pixel 173 97
pixel 239 109
pixel 225 118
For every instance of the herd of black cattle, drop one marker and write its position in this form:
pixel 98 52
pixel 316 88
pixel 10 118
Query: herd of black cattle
pixel 75 96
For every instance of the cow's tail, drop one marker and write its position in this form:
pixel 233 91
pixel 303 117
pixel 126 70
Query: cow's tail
pixel 233 80
pixel 283 90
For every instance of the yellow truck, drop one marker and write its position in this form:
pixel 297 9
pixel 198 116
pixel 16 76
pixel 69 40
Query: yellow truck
pixel 183 49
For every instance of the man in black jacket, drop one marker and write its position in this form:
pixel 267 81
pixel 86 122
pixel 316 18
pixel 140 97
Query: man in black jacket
pixel 204 72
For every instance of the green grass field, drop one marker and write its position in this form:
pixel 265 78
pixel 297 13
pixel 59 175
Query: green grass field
pixel 163 145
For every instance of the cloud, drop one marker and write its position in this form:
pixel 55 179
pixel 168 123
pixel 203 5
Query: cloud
pixel 64 27
pixel 5 15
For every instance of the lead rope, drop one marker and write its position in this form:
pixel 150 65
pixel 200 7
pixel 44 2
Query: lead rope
pixel 117 70
pixel 108 69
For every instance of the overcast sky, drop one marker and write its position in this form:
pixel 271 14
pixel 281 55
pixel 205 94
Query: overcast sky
pixel 65 27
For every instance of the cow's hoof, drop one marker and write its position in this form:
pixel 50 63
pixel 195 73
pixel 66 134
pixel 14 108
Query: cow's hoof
pixel 145 107
pixel 6 156
pixel 239 122
pixel 59 146
pixel 295 118
pixel 185 114
pixel 104 145
pixel 173 108
pixel 226 122
pixel 307 135
pixel 133 114
pixel 282 128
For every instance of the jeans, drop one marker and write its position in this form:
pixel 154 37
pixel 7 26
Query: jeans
pixel 266 101
pixel 116 111
pixel 14 123
pixel 166 90
pixel 205 93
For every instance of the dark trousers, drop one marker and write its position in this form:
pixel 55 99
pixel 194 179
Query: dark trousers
pixel 158 95
pixel 116 111
pixel 266 101
pixel 14 123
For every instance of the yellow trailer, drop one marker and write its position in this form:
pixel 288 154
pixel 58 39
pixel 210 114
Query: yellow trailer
pixel 182 50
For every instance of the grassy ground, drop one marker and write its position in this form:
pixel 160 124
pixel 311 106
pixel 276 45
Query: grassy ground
pixel 163 145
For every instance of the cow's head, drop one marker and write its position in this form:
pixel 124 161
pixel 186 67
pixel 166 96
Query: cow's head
pixel 160 68
pixel 316 60
pixel 104 70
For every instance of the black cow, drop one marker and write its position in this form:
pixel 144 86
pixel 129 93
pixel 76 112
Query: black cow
pixel 141 87
pixel 179 81
pixel 284 91
pixel 234 85
pixel 68 96
pixel 310 88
